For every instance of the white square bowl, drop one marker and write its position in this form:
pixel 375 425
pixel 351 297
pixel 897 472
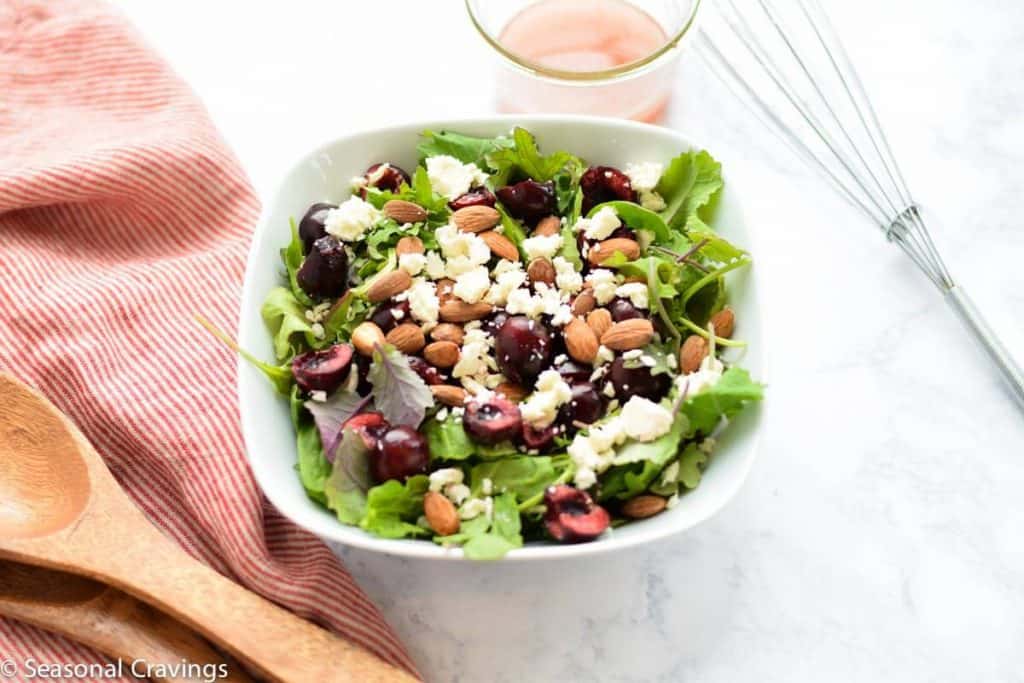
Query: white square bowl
pixel 324 174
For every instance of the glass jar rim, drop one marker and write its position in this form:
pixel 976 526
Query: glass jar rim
pixel 543 71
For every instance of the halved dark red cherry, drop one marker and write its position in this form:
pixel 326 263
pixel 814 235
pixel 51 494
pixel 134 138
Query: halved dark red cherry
pixel 384 176
pixel 389 314
pixel 585 406
pixel 311 227
pixel 602 184
pixel 322 370
pixel 324 272
pixel 478 196
pixel 370 426
pixel 573 372
pixel 492 421
pixel 637 381
pixel 572 516
pixel 623 309
pixel 399 453
pixel 522 348
pixel 529 200
pixel 538 439
pixel 427 372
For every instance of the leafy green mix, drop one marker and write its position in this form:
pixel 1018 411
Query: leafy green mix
pixel 684 262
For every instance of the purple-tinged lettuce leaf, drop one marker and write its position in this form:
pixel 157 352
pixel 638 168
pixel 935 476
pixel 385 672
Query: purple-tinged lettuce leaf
pixel 331 414
pixel 399 393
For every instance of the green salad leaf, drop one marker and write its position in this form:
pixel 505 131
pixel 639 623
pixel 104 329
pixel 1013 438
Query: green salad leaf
pixel 448 440
pixel 691 465
pixel 723 399
pixel 511 228
pixel 392 508
pixel 332 414
pixel 489 539
pixel 638 218
pixel 286 319
pixel 399 393
pixel 279 375
pixel 524 160
pixel 466 148
pixel 637 463
pixel 312 465
pixel 524 476
pixel 346 488
pixel 687 185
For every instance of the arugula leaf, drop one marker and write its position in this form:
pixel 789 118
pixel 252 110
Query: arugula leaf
pixel 286 318
pixel 419 192
pixel 570 250
pixel 392 508
pixel 448 440
pixel 638 218
pixel 488 546
pixel 312 465
pixel 524 476
pixel 725 398
pixel 331 415
pixel 524 159
pixel 717 247
pixel 399 393
pixel 345 490
pixel 687 185
pixel 292 258
pixel 691 465
pixel 465 148
pixel 484 539
pixel 279 375
pixel 511 228
pixel 350 310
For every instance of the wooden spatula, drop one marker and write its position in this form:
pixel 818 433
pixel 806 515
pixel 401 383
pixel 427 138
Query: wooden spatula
pixel 62 509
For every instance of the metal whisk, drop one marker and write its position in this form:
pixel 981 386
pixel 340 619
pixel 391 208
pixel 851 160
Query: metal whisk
pixel 784 59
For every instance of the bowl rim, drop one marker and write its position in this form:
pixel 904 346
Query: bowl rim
pixel 337 533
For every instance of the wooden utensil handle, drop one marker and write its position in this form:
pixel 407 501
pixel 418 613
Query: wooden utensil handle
pixel 271 641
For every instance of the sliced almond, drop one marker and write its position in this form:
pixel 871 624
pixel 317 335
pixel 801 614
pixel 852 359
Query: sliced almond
pixel 402 211
pixel 692 352
pixel 448 395
pixel 584 302
pixel 643 506
pixel 388 284
pixel 441 514
pixel 548 226
pixel 602 251
pixel 476 218
pixel 410 244
pixel 500 246
pixel 580 341
pixel 600 321
pixel 724 323
pixel 512 392
pixel 407 338
pixel 458 311
pixel 366 337
pixel 627 335
pixel 448 332
pixel 541 270
pixel 441 354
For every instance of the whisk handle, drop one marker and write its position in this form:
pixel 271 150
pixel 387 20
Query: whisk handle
pixel 971 317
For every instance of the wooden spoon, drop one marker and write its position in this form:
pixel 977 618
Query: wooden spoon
pixel 60 508
pixel 107 620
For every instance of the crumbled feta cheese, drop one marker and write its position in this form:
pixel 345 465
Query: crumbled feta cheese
pixel 412 263
pixel 451 178
pixel 494 380
pixel 604 355
pixel 670 474
pixel 319 312
pixel 644 176
pixel 487 486
pixel 560 358
pixel 441 415
pixel 397 313
pixel 636 292
pixel 542 246
pixel 550 393
pixel 632 354
pixel 594 453
pixel 474 507
pixel 604 284
pixel 472 285
pixel 709 372
pixel 318 330
pixel 567 279
pixel 609 390
pixel 318 396
pixel 423 301
pixel 442 477
pixel 673 500
pixel 434 265
pixel 508 278
pixel 602 224
pixel 645 420
pixel 351 219
pixel 563 316
pixel 456 493
pixel 463 251
pixel 474 357
pixel 647 360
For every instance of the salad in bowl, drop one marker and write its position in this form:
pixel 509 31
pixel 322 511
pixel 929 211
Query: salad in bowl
pixel 500 346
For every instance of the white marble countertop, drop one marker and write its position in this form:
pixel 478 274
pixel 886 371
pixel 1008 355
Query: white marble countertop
pixel 880 536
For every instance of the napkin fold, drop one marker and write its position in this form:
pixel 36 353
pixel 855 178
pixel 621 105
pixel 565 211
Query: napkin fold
pixel 122 215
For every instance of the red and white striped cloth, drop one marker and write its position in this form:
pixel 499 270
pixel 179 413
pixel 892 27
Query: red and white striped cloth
pixel 122 215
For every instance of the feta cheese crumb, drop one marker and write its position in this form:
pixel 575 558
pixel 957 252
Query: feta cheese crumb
pixel 604 284
pixel 474 507
pixel 351 219
pixel 567 279
pixel 318 396
pixel 636 292
pixel 508 278
pixel 542 246
pixel 463 251
pixel 451 178
pixel 474 357
pixel 412 263
pixel 709 372
pixel 472 285
pixel 434 265
pixel 551 392
pixel 442 477
pixel 441 415
pixel 644 176
pixel 604 355
pixel 562 317
pixel 423 301
pixel 645 420
pixel 602 224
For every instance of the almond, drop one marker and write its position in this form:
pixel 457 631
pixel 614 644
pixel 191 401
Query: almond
pixel 448 395
pixel 627 335
pixel 548 226
pixel 407 338
pixel 458 311
pixel 512 392
pixel 448 332
pixel 541 270
pixel 402 211
pixel 410 244
pixel 500 245
pixel 602 251
pixel 445 289
pixel 724 323
pixel 584 302
pixel 366 337
pixel 476 218
pixel 643 506
pixel 441 514
pixel 600 321
pixel 442 354
pixel 693 351
pixel 387 285
pixel 580 341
